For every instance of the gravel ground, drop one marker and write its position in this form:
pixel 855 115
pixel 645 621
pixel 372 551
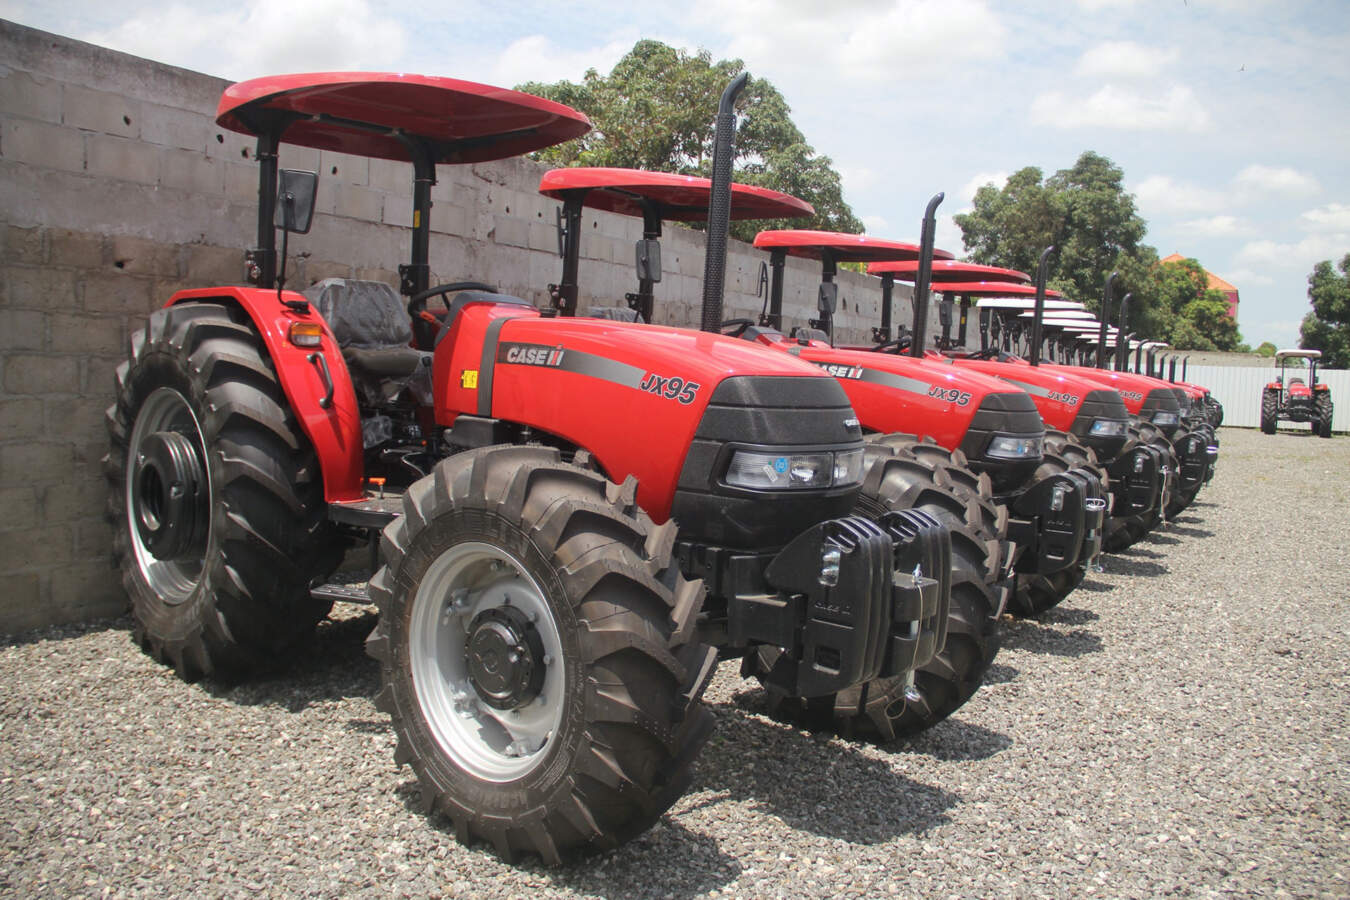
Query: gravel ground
pixel 1177 727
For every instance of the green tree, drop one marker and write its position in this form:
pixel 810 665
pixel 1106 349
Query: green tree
pixel 1266 349
pixel 1087 214
pixel 656 110
pixel 1327 327
pixel 1084 211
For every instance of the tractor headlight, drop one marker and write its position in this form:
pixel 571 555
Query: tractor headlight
pixel 848 467
pixel 1015 446
pixel 1163 417
pixel 1109 427
pixel 762 470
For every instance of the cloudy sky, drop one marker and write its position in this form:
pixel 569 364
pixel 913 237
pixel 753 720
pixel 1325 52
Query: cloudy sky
pixel 1230 118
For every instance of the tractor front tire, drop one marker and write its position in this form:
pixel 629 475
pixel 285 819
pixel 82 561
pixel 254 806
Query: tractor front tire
pixel 1127 530
pixel 901 473
pixel 1325 411
pixel 219 523
pixel 1037 593
pixel 537 653
pixel 1270 410
pixel 1183 497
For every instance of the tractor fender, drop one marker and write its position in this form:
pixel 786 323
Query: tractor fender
pixel 333 426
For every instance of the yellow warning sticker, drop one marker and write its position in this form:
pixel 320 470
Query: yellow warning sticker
pixel 468 378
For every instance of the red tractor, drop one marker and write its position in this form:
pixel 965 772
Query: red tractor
pixel 1087 424
pixel 1054 508
pixel 575 516
pixel 903 473
pixel 1156 404
pixel 1289 398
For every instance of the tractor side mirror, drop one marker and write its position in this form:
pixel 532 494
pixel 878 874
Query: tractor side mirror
pixel 295 200
pixel 649 260
pixel 945 313
pixel 828 297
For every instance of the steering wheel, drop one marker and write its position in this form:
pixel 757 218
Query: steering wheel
pixel 737 326
pixel 902 343
pixel 417 302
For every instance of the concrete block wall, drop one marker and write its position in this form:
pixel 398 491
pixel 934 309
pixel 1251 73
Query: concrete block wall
pixel 117 189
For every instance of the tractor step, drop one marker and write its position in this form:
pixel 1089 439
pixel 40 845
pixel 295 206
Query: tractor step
pixel 349 593
pixel 372 512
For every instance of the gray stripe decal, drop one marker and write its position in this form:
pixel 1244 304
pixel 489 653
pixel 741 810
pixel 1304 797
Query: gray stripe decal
pixel 899 382
pixel 487 363
pixel 1032 389
pixel 601 367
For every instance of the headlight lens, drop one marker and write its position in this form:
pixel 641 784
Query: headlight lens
pixel 1166 418
pixel 848 467
pixel 1109 427
pixel 1015 446
pixel 794 471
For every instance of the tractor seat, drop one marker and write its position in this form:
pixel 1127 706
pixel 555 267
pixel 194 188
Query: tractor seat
pixel 371 326
pixel 1295 380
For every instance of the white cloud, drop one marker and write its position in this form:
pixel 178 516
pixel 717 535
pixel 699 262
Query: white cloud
pixel 1299 255
pixel 1276 180
pixel 1246 277
pixel 967 192
pixel 1216 227
pixel 861 43
pixel 257 38
pixel 875 225
pixel 1161 195
pixel 947 236
pixel 1332 217
pixel 537 58
pixel 1125 59
pixel 858 179
pixel 1112 107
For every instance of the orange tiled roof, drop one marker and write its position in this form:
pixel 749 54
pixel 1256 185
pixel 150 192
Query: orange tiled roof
pixel 1215 282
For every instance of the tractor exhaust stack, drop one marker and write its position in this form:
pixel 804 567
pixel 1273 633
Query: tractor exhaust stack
pixel 1106 318
pixel 924 277
pixel 1042 268
pixel 719 206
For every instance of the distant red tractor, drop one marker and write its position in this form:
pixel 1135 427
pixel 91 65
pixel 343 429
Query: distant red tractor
pixel 1289 398
pixel 575 518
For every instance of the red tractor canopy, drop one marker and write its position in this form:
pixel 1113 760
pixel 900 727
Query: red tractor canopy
pixel 654 197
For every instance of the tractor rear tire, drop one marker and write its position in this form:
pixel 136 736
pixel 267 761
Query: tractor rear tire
pixel 538 653
pixel 219 522
pixel 1037 593
pixel 1124 531
pixel 1325 411
pixel 901 473
pixel 1270 410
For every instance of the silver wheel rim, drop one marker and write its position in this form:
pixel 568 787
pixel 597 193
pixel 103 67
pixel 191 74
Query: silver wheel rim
pixel 173 581
pixel 493 744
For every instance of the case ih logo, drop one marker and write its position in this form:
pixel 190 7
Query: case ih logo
pixel 839 371
pixel 530 354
